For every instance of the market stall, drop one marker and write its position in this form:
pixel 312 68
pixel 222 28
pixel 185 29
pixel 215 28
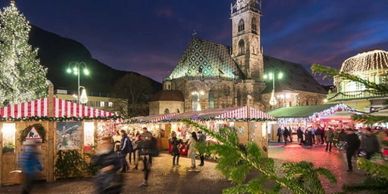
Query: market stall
pixel 250 123
pixel 334 115
pixel 56 123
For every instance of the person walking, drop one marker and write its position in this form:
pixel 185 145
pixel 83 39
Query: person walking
pixel 279 134
pixel 176 144
pixel 135 149
pixel 145 146
pixel 329 139
pixel 192 148
pixel 322 133
pixel 285 135
pixel 107 180
pixel 30 165
pixel 299 134
pixel 352 145
pixel 125 149
pixel 201 140
pixel 369 143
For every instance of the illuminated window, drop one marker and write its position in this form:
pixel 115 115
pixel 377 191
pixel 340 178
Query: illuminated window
pixel 241 25
pixel 102 104
pixel 9 136
pixel 89 134
pixel 110 104
pixel 195 104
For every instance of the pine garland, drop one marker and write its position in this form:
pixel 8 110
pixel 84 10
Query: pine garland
pixel 59 118
pixel 236 161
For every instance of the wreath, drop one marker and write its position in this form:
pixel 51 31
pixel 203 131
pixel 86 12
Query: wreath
pixel 38 127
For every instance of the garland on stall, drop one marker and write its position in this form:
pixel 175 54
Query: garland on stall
pixel 202 119
pixel 38 127
pixel 59 118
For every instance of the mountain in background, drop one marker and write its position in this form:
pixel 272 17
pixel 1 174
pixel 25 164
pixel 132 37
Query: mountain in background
pixel 56 53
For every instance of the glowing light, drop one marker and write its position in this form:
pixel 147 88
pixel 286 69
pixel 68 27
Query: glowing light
pixel 68 70
pixel 9 135
pixel 83 98
pixel 201 92
pixel 86 72
pixel 280 75
pixel 89 133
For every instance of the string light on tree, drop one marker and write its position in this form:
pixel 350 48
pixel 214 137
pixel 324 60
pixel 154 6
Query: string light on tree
pixel 22 78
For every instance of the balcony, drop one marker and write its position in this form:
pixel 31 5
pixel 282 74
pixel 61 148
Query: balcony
pixel 355 95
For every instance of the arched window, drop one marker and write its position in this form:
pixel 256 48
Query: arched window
pixel 241 25
pixel 195 103
pixel 254 25
pixel 241 47
pixel 166 111
pixel 211 99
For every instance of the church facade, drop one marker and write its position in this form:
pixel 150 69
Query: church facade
pixel 211 75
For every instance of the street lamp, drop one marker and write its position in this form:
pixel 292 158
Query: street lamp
pixel 76 70
pixel 273 76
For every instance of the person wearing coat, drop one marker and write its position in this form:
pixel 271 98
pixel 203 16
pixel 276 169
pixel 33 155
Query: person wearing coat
pixel 352 145
pixel 329 139
pixel 192 148
pixel 30 164
pixel 125 149
pixel 369 144
pixel 299 133
pixel 107 180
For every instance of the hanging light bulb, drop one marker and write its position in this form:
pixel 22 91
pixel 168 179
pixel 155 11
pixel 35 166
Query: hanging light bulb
pixel 84 98
pixel 273 100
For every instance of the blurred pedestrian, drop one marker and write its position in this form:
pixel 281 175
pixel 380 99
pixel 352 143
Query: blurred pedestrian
pixel 125 149
pixel 30 164
pixel 145 146
pixel 201 140
pixel 176 144
pixel 322 135
pixel 107 180
pixel 192 148
pixel 299 134
pixel 286 133
pixel 352 145
pixel 329 139
pixel 369 143
pixel 279 134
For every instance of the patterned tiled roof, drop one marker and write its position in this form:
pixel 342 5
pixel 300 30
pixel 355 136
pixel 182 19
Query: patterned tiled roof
pixel 206 59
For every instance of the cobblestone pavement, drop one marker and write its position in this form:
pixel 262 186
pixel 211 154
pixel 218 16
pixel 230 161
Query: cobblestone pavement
pixel 165 179
pixel 335 161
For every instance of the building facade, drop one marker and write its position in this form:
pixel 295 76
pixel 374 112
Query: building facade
pixel 371 66
pixel 211 75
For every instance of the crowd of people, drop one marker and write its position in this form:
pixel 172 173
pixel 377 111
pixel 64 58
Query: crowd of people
pixel 365 142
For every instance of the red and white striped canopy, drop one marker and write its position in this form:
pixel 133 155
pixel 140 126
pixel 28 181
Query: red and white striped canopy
pixel 232 113
pixel 62 108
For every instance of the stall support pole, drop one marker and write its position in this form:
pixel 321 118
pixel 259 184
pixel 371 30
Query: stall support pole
pixel 50 136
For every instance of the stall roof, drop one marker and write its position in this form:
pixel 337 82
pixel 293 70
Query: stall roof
pixel 40 108
pixel 233 113
pixel 302 111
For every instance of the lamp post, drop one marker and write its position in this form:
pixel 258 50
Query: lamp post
pixel 273 76
pixel 76 70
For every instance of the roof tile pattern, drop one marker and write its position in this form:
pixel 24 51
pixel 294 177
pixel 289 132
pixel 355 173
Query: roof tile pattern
pixel 206 59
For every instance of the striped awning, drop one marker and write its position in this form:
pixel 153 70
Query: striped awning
pixel 62 108
pixel 232 113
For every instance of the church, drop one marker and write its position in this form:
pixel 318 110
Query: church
pixel 213 76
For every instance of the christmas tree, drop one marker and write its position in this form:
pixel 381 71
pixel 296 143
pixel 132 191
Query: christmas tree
pixel 22 78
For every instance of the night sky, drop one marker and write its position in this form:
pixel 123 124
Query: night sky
pixel 149 36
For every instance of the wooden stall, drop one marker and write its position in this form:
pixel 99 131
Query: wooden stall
pixel 56 123
pixel 334 115
pixel 250 123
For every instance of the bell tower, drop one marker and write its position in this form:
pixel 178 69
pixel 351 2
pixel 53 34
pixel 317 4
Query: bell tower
pixel 246 43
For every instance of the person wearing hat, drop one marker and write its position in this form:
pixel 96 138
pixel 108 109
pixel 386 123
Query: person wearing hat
pixel 31 166
pixel 352 145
